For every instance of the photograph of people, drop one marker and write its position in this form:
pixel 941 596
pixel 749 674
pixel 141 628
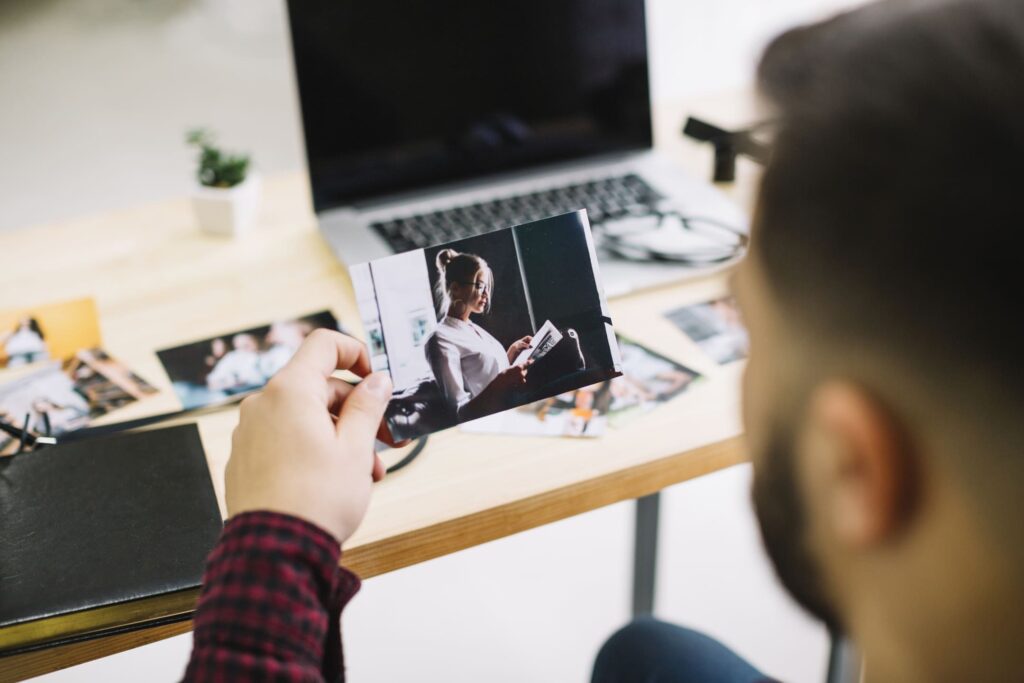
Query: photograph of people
pixel 475 372
pixel 25 344
pixel 239 368
pixel 283 340
pixel 214 370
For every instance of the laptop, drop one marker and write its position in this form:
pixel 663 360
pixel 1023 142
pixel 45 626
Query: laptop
pixel 426 122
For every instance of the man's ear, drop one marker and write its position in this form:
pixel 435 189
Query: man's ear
pixel 860 463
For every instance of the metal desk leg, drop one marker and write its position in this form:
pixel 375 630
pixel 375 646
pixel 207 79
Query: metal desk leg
pixel 645 554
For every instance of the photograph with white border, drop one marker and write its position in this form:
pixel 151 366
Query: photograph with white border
pixel 487 323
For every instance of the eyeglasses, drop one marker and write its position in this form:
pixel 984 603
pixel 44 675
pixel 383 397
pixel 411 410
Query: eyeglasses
pixel 478 286
pixel 28 437
pixel 646 233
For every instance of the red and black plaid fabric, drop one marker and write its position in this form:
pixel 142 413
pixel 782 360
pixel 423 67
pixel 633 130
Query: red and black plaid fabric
pixel 271 603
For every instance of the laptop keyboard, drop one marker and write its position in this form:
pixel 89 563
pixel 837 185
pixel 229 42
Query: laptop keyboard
pixel 604 199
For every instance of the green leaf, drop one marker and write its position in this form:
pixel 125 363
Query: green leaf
pixel 216 169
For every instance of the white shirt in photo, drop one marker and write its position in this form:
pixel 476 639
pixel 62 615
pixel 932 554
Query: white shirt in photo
pixel 275 358
pixel 236 369
pixel 25 346
pixel 465 358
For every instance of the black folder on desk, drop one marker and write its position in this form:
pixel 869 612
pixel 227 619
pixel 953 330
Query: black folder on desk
pixel 103 536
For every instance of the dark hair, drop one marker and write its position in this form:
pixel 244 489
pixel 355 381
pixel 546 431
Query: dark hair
pixel 456 268
pixel 889 213
pixel 33 325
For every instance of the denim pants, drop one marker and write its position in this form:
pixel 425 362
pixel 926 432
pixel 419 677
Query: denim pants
pixel 651 651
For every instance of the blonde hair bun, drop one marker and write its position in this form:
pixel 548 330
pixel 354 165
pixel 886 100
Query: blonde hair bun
pixel 444 257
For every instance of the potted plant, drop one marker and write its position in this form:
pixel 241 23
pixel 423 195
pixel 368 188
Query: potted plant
pixel 227 198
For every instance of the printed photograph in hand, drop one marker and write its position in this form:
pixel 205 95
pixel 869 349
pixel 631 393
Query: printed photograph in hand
pixel 487 323
pixel 47 332
pixel 648 379
pixel 215 370
pixel 59 398
pixel 716 328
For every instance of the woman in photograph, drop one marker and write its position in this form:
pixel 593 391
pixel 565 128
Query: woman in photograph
pixel 26 344
pixel 475 372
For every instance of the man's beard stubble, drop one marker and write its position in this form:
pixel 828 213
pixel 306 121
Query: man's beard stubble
pixel 782 518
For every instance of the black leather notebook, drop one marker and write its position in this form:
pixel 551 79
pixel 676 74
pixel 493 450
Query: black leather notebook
pixel 103 535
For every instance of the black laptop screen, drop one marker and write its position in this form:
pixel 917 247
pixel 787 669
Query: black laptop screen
pixel 401 94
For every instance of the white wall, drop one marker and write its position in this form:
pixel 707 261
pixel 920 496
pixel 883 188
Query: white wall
pixel 708 46
pixel 394 299
pixel 96 95
pixel 403 295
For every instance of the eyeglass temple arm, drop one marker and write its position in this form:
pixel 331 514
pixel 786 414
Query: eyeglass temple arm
pixel 727 144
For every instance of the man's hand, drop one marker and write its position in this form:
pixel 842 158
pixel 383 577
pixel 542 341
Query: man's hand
pixel 304 445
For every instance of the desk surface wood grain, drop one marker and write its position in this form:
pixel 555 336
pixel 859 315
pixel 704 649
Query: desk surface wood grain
pixel 159 282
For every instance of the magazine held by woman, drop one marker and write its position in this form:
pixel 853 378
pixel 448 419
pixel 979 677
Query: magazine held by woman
pixel 487 323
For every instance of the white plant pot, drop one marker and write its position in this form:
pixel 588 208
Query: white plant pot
pixel 229 211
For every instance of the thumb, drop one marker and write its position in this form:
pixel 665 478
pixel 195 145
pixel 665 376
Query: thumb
pixel 363 409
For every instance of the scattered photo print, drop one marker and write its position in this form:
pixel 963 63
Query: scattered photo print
pixel 214 370
pixel 49 332
pixel 105 382
pixel 716 327
pixel 574 413
pixel 62 397
pixel 648 380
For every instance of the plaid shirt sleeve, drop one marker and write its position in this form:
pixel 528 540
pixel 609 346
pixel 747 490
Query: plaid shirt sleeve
pixel 271 603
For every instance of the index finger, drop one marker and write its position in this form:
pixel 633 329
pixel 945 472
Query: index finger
pixel 325 351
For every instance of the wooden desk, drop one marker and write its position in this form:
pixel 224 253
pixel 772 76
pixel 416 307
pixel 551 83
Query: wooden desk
pixel 159 282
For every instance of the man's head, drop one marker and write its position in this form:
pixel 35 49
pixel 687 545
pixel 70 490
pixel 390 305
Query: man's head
pixel 885 391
